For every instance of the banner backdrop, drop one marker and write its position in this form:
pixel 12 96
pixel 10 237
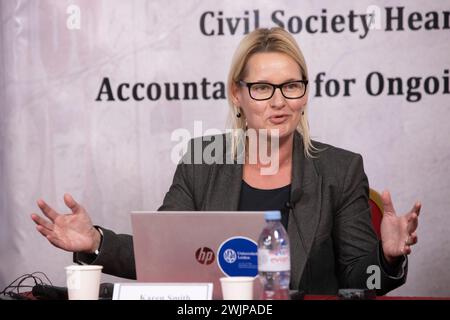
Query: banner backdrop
pixel 91 92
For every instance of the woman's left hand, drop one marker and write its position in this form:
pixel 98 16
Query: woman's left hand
pixel 398 233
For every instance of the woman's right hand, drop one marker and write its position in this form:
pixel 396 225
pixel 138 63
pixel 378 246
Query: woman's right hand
pixel 71 232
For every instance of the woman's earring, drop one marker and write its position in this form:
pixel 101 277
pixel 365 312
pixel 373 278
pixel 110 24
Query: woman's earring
pixel 303 113
pixel 238 114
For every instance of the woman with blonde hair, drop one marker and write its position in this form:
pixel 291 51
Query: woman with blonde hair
pixel 328 221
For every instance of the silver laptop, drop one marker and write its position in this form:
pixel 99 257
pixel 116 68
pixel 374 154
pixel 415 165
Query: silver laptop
pixel 196 246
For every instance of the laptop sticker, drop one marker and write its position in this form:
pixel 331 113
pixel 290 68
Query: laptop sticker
pixel 238 257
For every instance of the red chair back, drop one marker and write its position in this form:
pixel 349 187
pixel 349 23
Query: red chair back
pixel 376 209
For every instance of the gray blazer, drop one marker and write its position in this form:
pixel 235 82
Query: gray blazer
pixel 332 241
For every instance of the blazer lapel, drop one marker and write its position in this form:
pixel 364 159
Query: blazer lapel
pixel 225 188
pixel 304 218
pixel 224 182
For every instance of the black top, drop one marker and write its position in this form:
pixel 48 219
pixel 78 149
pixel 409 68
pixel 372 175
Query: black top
pixel 253 199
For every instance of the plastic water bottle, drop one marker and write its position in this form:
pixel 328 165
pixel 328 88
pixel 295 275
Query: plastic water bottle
pixel 274 263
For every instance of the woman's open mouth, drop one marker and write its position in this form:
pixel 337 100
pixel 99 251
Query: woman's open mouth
pixel 278 119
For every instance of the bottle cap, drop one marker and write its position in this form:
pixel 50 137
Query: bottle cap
pixel 273 215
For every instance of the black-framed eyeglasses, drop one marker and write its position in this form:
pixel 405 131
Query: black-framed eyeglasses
pixel 264 91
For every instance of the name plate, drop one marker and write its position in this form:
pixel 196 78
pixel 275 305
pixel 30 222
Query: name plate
pixel 162 291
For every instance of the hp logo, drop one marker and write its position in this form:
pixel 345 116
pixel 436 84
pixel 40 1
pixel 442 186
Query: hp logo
pixel 205 255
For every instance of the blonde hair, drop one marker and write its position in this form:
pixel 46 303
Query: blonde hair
pixel 264 40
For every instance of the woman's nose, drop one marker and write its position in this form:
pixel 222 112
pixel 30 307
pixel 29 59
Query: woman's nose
pixel 277 100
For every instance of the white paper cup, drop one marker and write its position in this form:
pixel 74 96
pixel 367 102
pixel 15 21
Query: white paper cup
pixel 83 282
pixel 237 288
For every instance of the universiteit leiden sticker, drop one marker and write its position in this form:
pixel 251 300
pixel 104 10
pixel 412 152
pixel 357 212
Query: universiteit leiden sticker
pixel 238 256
